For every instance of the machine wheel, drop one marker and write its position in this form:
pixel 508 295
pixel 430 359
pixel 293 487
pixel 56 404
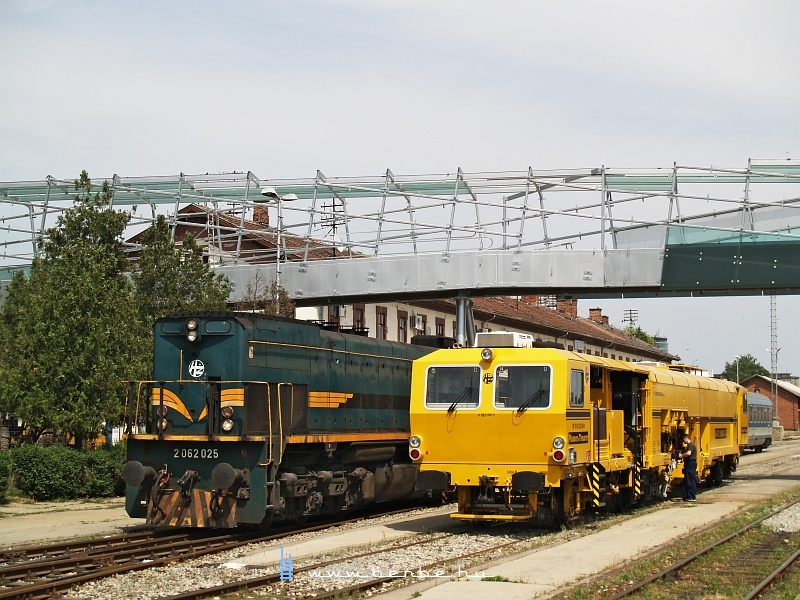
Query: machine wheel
pixel 626 499
pixel 716 475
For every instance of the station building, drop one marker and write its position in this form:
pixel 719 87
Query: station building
pixel 545 317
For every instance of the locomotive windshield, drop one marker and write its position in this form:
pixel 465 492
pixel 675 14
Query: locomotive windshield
pixel 522 387
pixel 453 387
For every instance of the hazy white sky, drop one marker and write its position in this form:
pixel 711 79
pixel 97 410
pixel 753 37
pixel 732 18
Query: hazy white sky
pixel 352 88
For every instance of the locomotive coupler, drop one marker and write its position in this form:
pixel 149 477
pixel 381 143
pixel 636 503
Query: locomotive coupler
pixel 486 493
pixel 215 503
pixel 187 483
pixel 159 487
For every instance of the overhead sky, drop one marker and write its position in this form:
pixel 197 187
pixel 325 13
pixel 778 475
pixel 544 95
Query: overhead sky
pixel 351 88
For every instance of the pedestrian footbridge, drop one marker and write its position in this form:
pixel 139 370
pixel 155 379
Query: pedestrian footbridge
pixel 594 232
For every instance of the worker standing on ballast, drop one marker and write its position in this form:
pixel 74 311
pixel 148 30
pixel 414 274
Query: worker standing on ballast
pixel 689 456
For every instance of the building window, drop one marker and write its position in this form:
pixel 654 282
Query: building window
pixel 358 317
pixel 380 314
pixel 402 326
pixel 333 314
pixel 439 327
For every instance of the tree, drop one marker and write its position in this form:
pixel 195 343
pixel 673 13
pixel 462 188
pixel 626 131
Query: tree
pixel 174 279
pixel 640 334
pixel 748 366
pixel 68 330
pixel 266 299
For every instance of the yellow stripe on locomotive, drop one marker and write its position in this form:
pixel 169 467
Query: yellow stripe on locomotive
pixel 544 433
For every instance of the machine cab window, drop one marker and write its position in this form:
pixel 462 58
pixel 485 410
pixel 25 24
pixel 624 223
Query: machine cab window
pixel 522 386
pixel 453 387
pixel 576 388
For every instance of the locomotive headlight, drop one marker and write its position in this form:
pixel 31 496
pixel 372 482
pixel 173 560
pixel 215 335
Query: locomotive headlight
pixel 192 335
pixel 227 425
pixel 414 441
pixel 162 411
pixel 414 453
pixel 162 424
pixel 191 324
pixel 558 455
pixel 558 443
pixel 486 354
pixel 227 412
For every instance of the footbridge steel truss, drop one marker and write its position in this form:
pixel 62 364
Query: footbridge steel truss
pixel 595 232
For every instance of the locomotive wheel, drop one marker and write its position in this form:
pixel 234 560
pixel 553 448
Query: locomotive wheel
pixel 266 522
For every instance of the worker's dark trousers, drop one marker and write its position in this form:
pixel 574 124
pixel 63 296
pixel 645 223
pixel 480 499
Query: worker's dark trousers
pixel 689 479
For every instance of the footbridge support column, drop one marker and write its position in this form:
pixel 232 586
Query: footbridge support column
pixel 465 321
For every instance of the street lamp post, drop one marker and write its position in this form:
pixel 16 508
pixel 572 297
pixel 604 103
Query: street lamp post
pixel 737 357
pixel 272 195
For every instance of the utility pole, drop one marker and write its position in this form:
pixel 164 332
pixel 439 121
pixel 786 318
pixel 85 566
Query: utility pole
pixel 773 352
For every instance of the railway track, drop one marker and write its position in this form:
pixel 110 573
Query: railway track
pixel 331 570
pixel 34 572
pixel 745 566
pixel 58 569
pixel 34 552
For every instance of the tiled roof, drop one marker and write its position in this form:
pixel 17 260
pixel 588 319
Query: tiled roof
pixel 508 311
pixel 263 236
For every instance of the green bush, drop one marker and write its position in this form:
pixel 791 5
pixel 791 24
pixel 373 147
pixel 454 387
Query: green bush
pixel 61 473
pixel 50 473
pixel 104 471
pixel 5 474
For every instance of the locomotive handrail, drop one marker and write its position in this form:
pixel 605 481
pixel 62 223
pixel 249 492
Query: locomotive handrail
pixel 317 348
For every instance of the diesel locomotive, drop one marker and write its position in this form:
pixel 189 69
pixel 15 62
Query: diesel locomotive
pixel 250 419
pixel 543 434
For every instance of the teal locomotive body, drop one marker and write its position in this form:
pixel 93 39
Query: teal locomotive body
pixel 250 419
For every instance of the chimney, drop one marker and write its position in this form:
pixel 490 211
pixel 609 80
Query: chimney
pixel 596 315
pixel 568 308
pixel 604 319
pixel 261 216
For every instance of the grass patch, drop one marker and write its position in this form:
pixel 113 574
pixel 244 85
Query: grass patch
pixel 498 578
pixel 708 565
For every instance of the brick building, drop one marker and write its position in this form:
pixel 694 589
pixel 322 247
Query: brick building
pixel 788 399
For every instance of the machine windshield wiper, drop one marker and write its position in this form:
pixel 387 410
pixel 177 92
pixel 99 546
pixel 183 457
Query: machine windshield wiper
pixel 466 394
pixel 529 402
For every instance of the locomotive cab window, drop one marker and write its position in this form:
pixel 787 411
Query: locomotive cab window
pixel 453 388
pixel 522 386
pixel 576 388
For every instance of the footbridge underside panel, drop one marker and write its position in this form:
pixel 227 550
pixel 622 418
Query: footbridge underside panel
pixel 742 265
pixel 575 272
